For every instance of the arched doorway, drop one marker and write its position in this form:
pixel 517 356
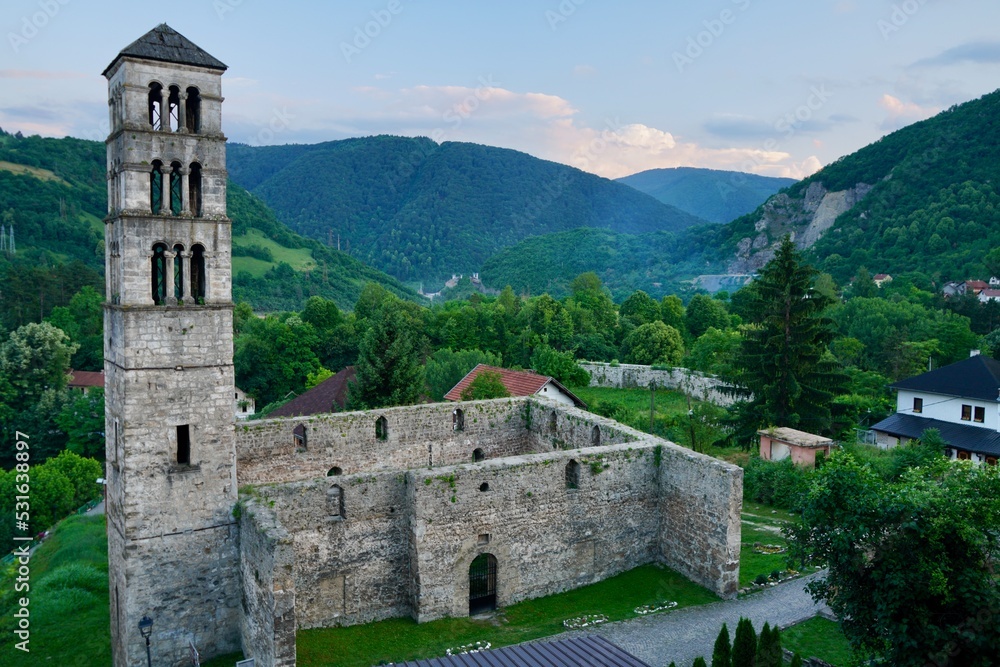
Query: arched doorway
pixel 482 584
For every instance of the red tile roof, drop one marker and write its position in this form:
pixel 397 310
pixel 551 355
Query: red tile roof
pixel 976 285
pixel 518 383
pixel 86 378
pixel 328 395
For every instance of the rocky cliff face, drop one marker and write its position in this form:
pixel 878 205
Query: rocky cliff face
pixel 806 218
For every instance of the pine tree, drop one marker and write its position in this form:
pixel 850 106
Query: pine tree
pixel 764 645
pixel 785 373
pixel 745 645
pixel 722 654
pixel 699 662
pixel 388 367
pixel 796 660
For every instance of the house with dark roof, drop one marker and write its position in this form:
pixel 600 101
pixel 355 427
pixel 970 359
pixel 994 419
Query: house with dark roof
pixel 960 400
pixel 520 383
pixel 330 395
pixel 84 381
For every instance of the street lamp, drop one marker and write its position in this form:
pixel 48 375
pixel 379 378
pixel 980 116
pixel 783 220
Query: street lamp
pixel 146 629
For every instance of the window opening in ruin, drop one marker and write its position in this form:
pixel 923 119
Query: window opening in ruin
pixel 155 188
pixel 595 436
pixel 198 278
pixel 173 108
pixel 194 190
pixel 155 105
pixel 192 115
pixel 458 419
pixel 484 487
pixel 553 423
pixel 484 538
pixel 175 188
pixel 478 455
pixel 381 429
pixel 159 273
pixel 482 584
pixel 299 436
pixel 572 475
pixel 334 472
pixel 184 444
pixel 335 502
pixel 178 271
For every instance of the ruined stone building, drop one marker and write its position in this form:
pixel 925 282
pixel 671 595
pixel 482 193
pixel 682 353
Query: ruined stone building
pixel 232 535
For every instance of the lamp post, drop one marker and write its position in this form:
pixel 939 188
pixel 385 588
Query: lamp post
pixel 146 629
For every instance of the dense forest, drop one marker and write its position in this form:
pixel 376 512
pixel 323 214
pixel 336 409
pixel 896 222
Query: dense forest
pixel 422 211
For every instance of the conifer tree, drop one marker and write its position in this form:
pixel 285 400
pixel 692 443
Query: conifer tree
pixel 796 660
pixel 722 654
pixel 764 645
pixel 699 662
pixel 388 367
pixel 745 645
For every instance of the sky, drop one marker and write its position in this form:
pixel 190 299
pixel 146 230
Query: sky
pixel 777 88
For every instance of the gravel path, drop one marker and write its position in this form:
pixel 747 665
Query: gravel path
pixel 683 635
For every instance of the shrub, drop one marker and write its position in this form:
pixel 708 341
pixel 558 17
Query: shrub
pixel 776 483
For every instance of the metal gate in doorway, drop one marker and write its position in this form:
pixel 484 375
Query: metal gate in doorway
pixel 482 584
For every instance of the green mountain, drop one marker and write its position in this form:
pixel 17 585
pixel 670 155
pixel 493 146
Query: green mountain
pixel 711 194
pixel 422 211
pixel 53 194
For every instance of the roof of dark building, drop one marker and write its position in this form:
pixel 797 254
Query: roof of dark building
pixel 165 44
pixel 959 436
pixel 976 377
pixel 518 383
pixel 328 395
pixel 587 651
pixel 86 378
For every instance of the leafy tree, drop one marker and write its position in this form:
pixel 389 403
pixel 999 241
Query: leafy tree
pixel 34 359
pixel 389 371
pixel 560 365
pixel 640 308
pixel 992 262
pixel 83 321
pixel 722 654
pixel 713 351
pixel 704 312
pixel 653 343
pixel 82 473
pixel 864 286
pixel 52 496
pixel 745 644
pixel 273 357
pixel 446 368
pixel 488 384
pixel 672 312
pixel 82 419
pixel 911 562
pixel 322 313
pixel 783 361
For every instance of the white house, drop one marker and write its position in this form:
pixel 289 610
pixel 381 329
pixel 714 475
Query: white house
pixel 244 404
pixel 961 400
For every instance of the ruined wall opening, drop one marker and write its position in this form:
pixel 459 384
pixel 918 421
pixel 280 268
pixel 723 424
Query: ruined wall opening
pixel 572 474
pixel 595 436
pixel 335 502
pixel 176 193
pixel 299 436
pixel 483 584
pixel 484 487
pixel 184 444
pixel 458 419
pixel 335 471
pixel 155 102
pixel 194 190
pixel 553 422
pixel 155 188
pixel 192 113
pixel 381 429
pixel 198 277
pixel 159 273
pixel 178 271
pixel 478 455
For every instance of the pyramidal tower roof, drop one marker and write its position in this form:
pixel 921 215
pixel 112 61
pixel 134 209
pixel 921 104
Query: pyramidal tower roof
pixel 165 44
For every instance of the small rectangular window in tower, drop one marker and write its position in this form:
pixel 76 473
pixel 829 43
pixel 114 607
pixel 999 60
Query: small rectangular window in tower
pixel 184 444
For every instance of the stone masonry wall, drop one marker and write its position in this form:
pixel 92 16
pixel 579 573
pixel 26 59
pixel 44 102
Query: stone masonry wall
pixel 547 535
pixel 697 385
pixel 351 543
pixel 267 567
pixel 418 436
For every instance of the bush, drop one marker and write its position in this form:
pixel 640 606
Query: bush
pixel 776 483
pixel 83 576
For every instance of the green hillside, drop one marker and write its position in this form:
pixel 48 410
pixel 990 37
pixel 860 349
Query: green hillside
pixel 711 194
pixel 422 211
pixel 53 193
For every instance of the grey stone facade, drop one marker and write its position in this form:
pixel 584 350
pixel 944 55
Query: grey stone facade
pixel 343 518
pixel 693 383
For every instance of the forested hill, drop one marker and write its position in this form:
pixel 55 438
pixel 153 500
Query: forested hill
pixel 53 193
pixel 717 196
pixel 422 211
pixel 922 199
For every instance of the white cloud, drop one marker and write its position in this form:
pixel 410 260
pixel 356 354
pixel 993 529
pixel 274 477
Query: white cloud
pixel 900 113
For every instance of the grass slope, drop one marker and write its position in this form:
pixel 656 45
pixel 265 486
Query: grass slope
pixel 818 638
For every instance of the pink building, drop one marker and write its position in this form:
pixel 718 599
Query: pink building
pixel 781 443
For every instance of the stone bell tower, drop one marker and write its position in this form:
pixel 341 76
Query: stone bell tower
pixel 168 356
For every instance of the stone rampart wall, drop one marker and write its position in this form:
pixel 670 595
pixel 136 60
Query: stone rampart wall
pixel 416 436
pixel 267 566
pixel 693 383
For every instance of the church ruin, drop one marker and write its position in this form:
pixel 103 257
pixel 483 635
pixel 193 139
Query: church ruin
pixel 233 535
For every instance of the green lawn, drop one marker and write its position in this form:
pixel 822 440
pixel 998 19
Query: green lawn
pixel 69 609
pixel 762 524
pixel 299 259
pixel 403 639
pixel 818 638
